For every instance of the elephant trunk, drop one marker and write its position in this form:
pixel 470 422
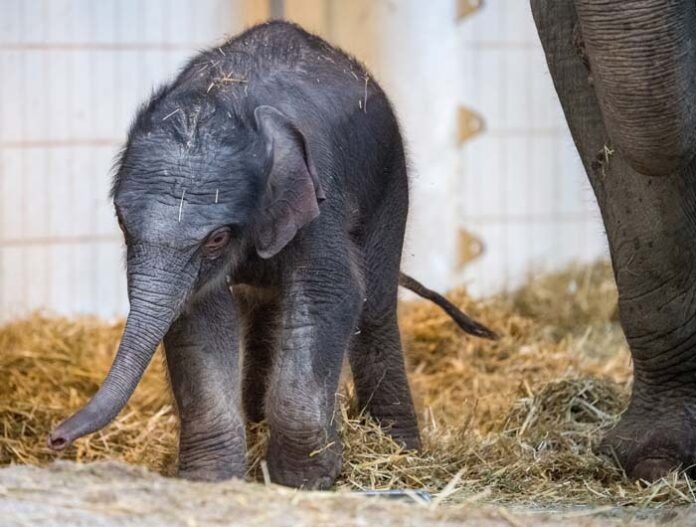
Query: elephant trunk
pixel 158 289
pixel 642 56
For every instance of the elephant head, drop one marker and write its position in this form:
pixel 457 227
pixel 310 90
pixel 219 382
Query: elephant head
pixel 199 187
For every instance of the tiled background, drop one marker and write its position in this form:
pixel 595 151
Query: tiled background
pixel 523 189
pixel 73 71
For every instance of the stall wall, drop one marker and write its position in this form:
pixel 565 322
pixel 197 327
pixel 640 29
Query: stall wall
pixel 522 189
pixel 74 71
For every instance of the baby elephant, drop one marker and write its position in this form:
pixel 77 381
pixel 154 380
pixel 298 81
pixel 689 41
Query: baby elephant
pixel 273 167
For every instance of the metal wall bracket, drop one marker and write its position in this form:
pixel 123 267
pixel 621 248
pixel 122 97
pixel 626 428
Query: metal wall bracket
pixel 469 124
pixel 468 7
pixel 469 248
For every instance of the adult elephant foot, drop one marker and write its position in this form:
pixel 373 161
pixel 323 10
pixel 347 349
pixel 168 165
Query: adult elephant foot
pixel 654 438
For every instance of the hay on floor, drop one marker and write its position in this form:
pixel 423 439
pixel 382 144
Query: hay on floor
pixel 512 421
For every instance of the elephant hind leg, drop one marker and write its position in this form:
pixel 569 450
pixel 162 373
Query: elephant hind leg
pixel 260 315
pixel 380 378
pixel 376 354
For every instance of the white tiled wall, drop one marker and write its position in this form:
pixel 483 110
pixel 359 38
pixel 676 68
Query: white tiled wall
pixel 523 190
pixel 72 73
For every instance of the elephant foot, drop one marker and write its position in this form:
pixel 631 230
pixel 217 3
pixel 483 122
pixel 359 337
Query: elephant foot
pixel 407 438
pixel 303 461
pixel 649 444
pixel 403 431
pixel 210 474
pixel 212 459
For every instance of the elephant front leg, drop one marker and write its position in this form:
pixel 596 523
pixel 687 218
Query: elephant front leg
pixel 203 361
pixel 320 310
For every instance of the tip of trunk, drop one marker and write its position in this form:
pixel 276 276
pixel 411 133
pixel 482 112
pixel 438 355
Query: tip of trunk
pixel 89 419
pixel 120 383
pixel 57 441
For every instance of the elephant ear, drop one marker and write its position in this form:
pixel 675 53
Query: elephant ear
pixel 292 194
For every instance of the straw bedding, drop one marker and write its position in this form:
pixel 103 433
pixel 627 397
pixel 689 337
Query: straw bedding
pixel 510 422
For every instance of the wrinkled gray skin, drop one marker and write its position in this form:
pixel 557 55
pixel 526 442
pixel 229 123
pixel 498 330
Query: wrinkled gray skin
pixel 275 164
pixel 625 75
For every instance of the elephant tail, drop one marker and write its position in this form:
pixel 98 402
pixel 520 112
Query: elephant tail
pixel 464 321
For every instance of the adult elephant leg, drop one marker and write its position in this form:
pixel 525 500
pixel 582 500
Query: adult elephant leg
pixel 643 63
pixel 651 227
pixel 203 361
pixel 321 302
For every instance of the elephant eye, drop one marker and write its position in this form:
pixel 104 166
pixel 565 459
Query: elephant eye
pixel 216 241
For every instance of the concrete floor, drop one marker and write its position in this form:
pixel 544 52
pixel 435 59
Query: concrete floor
pixel 113 494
